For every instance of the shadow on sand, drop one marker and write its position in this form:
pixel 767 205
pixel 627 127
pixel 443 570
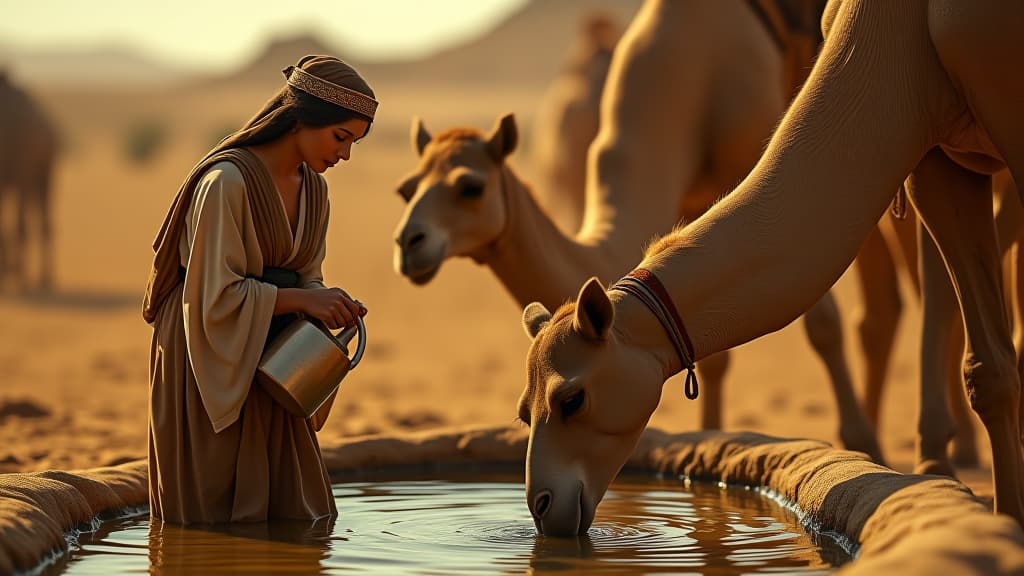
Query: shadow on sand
pixel 72 299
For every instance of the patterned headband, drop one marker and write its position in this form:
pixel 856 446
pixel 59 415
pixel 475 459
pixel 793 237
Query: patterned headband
pixel 331 92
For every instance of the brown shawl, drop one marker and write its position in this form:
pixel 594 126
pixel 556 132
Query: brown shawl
pixel 271 223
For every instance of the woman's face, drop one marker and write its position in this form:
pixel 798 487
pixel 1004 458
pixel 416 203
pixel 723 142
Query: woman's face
pixel 322 147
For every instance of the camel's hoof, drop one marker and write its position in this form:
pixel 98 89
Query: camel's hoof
pixel 937 467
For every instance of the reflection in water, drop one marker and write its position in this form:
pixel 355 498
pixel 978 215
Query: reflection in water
pixel 277 547
pixel 643 526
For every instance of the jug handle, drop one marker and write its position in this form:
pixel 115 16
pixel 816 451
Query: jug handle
pixel 345 336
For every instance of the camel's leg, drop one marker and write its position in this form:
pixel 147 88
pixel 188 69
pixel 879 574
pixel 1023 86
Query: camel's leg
pixel 1018 309
pixel 977 44
pixel 44 215
pixel 964 450
pixel 1008 229
pixel 19 247
pixel 939 355
pixel 4 263
pixel 1011 234
pixel 903 239
pixel 1017 305
pixel 879 317
pixel 712 380
pixel 956 207
pixel 1016 286
pixel 824 330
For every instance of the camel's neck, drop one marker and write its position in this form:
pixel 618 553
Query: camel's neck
pixel 659 122
pixel 768 251
pixel 534 259
pixel 629 199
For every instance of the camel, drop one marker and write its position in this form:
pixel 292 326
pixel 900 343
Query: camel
pixel 464 200
pixel 925 89
pixel 27 150
pixel 567 120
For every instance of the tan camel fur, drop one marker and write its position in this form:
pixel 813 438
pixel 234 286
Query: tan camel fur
pixel 923 88
pixel 567 120
pixel 464 200
pixel 27 150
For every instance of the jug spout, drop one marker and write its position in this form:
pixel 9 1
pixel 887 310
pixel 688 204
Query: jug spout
pixel 346 336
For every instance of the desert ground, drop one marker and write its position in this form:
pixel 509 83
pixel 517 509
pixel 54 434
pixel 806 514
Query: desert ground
pixel 74 363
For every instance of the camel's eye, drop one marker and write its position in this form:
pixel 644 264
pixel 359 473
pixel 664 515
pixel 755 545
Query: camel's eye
pixel 572 404
pixel 471 191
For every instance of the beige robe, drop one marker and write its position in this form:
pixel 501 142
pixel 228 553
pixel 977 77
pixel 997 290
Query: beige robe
pixel 221 449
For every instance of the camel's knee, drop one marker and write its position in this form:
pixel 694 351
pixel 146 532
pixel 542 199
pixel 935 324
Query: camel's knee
pixel 823 326
pixel 993 388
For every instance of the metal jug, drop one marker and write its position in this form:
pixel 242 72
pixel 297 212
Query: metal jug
pixel 305 364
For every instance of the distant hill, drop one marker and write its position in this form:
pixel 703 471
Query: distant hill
pixel 279 53
pixel 529 46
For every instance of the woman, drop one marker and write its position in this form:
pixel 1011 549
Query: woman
pixel 238 253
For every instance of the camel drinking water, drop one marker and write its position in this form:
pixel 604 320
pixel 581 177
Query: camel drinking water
pixel 925 88
pixel 465 200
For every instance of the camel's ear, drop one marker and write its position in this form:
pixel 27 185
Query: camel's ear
pixel 535 317
pixel 407 189
pixel 419 135
pixel 504 138
pixel 594 312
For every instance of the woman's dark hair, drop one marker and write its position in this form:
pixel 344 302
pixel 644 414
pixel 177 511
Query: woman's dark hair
pixel 291 106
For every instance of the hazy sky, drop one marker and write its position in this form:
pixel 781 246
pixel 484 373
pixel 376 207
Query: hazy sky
pixel 212 34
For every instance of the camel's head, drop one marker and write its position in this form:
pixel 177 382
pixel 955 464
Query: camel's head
pixel 587 401
pixel 456 204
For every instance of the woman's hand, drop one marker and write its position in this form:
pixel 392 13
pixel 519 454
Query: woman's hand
pixel 332 306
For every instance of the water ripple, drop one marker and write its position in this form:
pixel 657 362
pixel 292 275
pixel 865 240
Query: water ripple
pixel 455 526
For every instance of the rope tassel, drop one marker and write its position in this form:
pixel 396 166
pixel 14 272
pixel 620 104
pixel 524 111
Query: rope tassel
pixel 691 389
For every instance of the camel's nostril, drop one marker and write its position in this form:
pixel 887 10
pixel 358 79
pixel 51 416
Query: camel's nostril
pixel 415 240
pixel 541 504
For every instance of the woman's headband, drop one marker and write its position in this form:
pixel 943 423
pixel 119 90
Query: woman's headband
pixel 331 92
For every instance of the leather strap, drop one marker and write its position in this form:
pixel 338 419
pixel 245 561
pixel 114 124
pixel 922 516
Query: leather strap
pixel 643 284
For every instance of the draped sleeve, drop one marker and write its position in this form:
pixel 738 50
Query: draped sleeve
pixel 226 310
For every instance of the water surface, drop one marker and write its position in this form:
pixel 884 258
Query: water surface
pixel 478 525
